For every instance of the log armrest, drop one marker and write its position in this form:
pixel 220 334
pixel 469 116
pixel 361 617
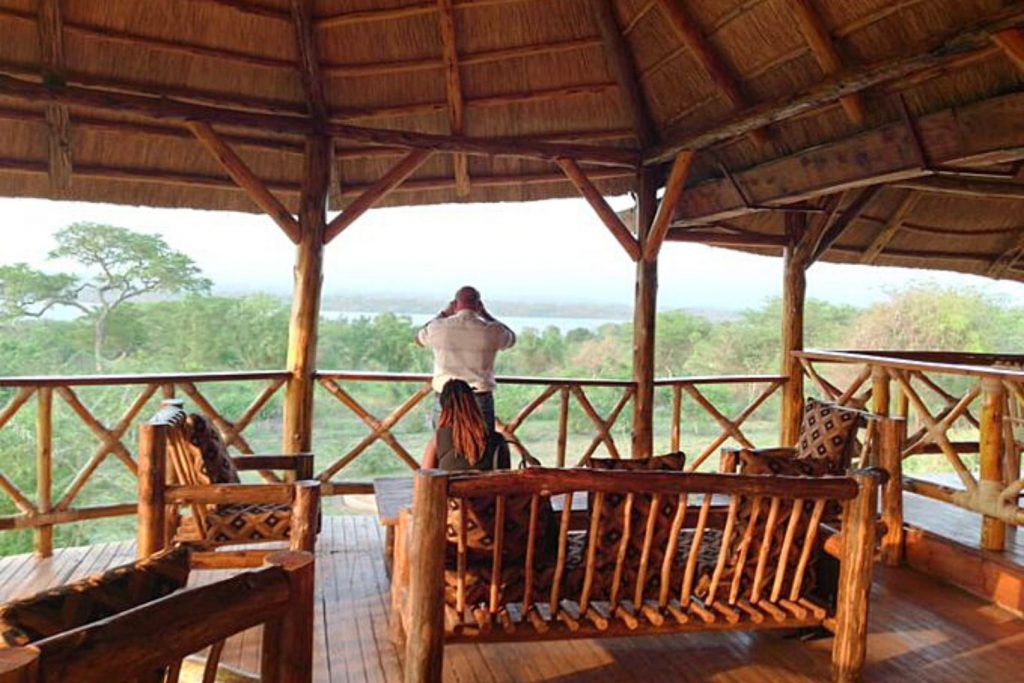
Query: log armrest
pixel 300 463
pixel 730 456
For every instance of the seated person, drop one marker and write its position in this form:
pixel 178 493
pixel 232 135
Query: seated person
pixel 462 440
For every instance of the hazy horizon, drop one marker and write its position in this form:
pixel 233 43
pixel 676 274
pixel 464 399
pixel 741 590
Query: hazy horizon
pixel 553 251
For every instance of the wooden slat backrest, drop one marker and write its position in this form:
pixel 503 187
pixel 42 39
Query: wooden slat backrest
pixel 751 559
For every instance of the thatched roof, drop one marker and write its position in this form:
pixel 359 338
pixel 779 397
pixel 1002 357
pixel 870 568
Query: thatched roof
pixel 542 70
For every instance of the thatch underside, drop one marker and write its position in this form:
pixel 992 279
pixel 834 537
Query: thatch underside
pixel 537 70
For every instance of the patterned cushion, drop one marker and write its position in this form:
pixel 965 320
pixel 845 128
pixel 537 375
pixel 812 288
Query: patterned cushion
pixel 828 433
pixel 248 523
pixel 671 462
pixel 213 464
pixel 91 599
pixel 752 462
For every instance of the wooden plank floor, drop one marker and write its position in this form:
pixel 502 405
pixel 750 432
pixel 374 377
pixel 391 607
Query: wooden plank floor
pixel 962 526
pixel 920 630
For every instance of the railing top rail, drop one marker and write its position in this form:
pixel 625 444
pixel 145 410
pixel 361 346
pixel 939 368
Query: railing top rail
pixel 357 375
pixel 901 363
pixel 719 379
pixel 155 378
pixel 951 357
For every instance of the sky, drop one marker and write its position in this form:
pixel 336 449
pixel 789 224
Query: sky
pixel 548 251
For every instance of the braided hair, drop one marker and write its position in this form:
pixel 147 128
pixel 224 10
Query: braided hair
pixel 460 412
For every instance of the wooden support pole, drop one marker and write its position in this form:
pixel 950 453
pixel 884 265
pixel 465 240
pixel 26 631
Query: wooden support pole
pixel 382 188
pixel 880 393
pixel 245 178
pixel 858 540
pixel 674 187
pixel 1012 43
pixel 794 290
pixel 645 310
pixel 287 652
pixel 892 432
pixel 990 481
pixel 606 213
pixel 305 316
pixel 44 469
pixel 305 513
pixel 19 665
pixel 424 647
pixel 152 513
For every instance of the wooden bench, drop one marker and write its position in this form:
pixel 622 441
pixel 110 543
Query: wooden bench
pixel 138 623
pixel 482 558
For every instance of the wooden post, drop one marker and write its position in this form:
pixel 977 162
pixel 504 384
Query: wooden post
pixel 152 476
pixel 892 432
pixel 19 665
pixel 858 538
pixel 302 331
pixel 993 396
pixel 287 653
pixel 880 405
pixel 44 469
pixel 305 513
pixel 794 289
pixel 644 315
pixel 424 647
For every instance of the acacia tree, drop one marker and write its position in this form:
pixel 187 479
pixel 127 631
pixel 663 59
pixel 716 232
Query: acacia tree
pixel 117 265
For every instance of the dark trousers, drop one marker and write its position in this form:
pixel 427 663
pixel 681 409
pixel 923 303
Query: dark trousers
pixel 484 399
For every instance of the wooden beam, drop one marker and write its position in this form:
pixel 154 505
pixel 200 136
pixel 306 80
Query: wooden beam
pixel 645 315
pixel 246 179
pixel 623 68
pixel 966 187
pixel 843 219
pixel 674 187
pixel 166 108
pixel 1002 265
pixel 1012 43
pixel 309 59
pixel 794 291
pixel 890 228
pixel 724 239
pixel 977 37
pixel 375 193
pixel 697 43
pixel 825 52
pixel 606 213
pixel 58 121
pixel 453 90
pixel 980 134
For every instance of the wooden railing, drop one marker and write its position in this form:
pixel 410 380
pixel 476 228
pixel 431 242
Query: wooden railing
pixel 575 419
pixel 964 407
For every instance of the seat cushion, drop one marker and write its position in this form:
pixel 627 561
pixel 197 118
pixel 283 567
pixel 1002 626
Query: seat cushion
pixel 97 597
pixel 828 433
pixel 248 523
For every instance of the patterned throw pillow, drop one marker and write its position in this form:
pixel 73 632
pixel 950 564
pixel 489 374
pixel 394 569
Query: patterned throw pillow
pixel 782 465
pixel 215 464
pixel 828 433
pixel 672 462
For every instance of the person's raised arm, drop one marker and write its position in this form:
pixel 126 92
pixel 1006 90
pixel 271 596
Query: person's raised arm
pixel 421 334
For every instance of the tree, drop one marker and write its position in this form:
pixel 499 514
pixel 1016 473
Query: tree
pixel 118 265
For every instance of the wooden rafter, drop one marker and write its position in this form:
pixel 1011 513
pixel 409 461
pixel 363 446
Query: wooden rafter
pixel 674 187
pixel 375 193
pixel 986 132
pixel 58 121
pixel 1012 43
pixel 825 52
pixel 243 176
pixel 974 38
pixel 967 187
pixel 690 34
pixel 170 109
pixel 453 90
pixel 891 227
pixel 725 239
pixel 606 213
pixel 623 68
pixel 309 59
pixel 843 220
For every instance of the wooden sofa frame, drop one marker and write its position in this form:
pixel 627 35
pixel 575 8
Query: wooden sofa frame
pixel 159 501
pixel 147 643
pixel 423 621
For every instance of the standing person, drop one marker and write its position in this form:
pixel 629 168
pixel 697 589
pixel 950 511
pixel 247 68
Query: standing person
pixel 465 338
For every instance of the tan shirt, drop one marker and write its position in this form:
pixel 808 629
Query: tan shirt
pixel 464 348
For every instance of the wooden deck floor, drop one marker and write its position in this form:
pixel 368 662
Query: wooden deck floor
pixel 920 630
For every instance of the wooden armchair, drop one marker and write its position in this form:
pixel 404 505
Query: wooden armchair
pixel 137 623
pixel 190 492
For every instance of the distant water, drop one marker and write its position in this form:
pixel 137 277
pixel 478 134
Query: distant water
pixel 518 324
